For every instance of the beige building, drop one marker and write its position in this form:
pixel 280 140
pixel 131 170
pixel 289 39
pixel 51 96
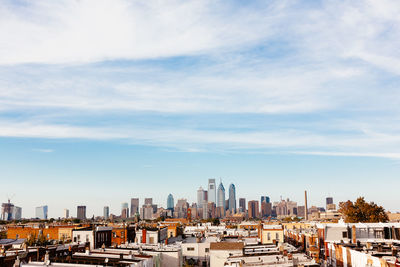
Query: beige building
pixel 65 234
pixel 221 251
pixel 270 234
pixel 393 217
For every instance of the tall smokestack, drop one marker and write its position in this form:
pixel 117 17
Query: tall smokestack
pixel 306 207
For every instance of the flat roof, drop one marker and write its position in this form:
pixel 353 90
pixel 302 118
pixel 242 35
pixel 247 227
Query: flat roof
pixel 226 246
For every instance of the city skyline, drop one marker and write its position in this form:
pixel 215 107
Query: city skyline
pixel 120 99
pixel 124 206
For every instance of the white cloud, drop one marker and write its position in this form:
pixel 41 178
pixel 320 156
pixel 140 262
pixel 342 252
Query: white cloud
pixel 88 30
pixel 43 150
pixel 336 62
pixel 191 140
pixel 351 154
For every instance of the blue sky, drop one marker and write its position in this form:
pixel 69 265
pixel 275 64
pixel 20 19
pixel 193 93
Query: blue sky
pixel 101 101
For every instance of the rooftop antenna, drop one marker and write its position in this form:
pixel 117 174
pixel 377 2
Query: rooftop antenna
pixel 9 198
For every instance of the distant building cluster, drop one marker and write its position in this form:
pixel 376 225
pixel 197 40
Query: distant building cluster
pixel 10 212
pixel 212 202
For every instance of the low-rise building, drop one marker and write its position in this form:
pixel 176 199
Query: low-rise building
pixel 97 237
pixel 221 251
pixel 271 234
pixel 147 235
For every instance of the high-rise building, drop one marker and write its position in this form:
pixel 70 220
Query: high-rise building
pixel 265 198
pixel 17 213
pixel 221 200
pixel 148 201
pixel 146 212
pixel 81 212
pixel 253 207
pixel 232 198
pixel 266 209
pixel 66 213
pixel 211 210
pixel 124 210
pixel 211 191
pixel 170 202
pixel 41 212
pixel 301 211
pixel 329 200
pixel 205 198
pixel 106 212
pixel 205 210
pixel 181 208
pixel 242 205
pixel 200 197
pixel 286 208
pixel 7 211
pixel 134 206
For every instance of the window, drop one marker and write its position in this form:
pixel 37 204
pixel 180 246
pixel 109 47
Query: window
pixel 207 250
pixel 269 236
pixel 190 249
pixel 344 234
pixel 16 236
pixel 87 238
pixel 276 236
pixel 151 240
pixel 48 236
pixel 79 238
pixel 114 234
pixel 379 234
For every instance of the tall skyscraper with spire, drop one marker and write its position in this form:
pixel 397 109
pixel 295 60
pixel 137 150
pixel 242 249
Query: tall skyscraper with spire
pixel 221 199
pixel 232 198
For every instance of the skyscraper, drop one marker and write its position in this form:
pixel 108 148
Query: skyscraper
pixel 17 213
pixel 266 209
pixel 211 191
pixel 170 202
pixel 254 211
pixel 265 198
pixel 7 211
pixel 221 200
pixel 134 206
pixel 66 213
pixel 81 212
pixel 41 212
pixel 106 212
pixel 232 198
pixel 242 205
pixel 181 208
pixel 124 210
pixel 200 197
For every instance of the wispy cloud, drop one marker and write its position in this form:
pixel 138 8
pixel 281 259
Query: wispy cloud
pixel 43 150
pixel 85 31
pixel 209 75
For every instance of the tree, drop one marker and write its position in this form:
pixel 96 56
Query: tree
pixel 362 211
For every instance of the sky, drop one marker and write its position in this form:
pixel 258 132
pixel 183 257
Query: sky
pixel 101 101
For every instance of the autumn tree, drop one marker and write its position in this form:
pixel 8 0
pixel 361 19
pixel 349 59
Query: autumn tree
pixel 362 211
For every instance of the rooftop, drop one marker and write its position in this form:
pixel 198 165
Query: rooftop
pixel 226 246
